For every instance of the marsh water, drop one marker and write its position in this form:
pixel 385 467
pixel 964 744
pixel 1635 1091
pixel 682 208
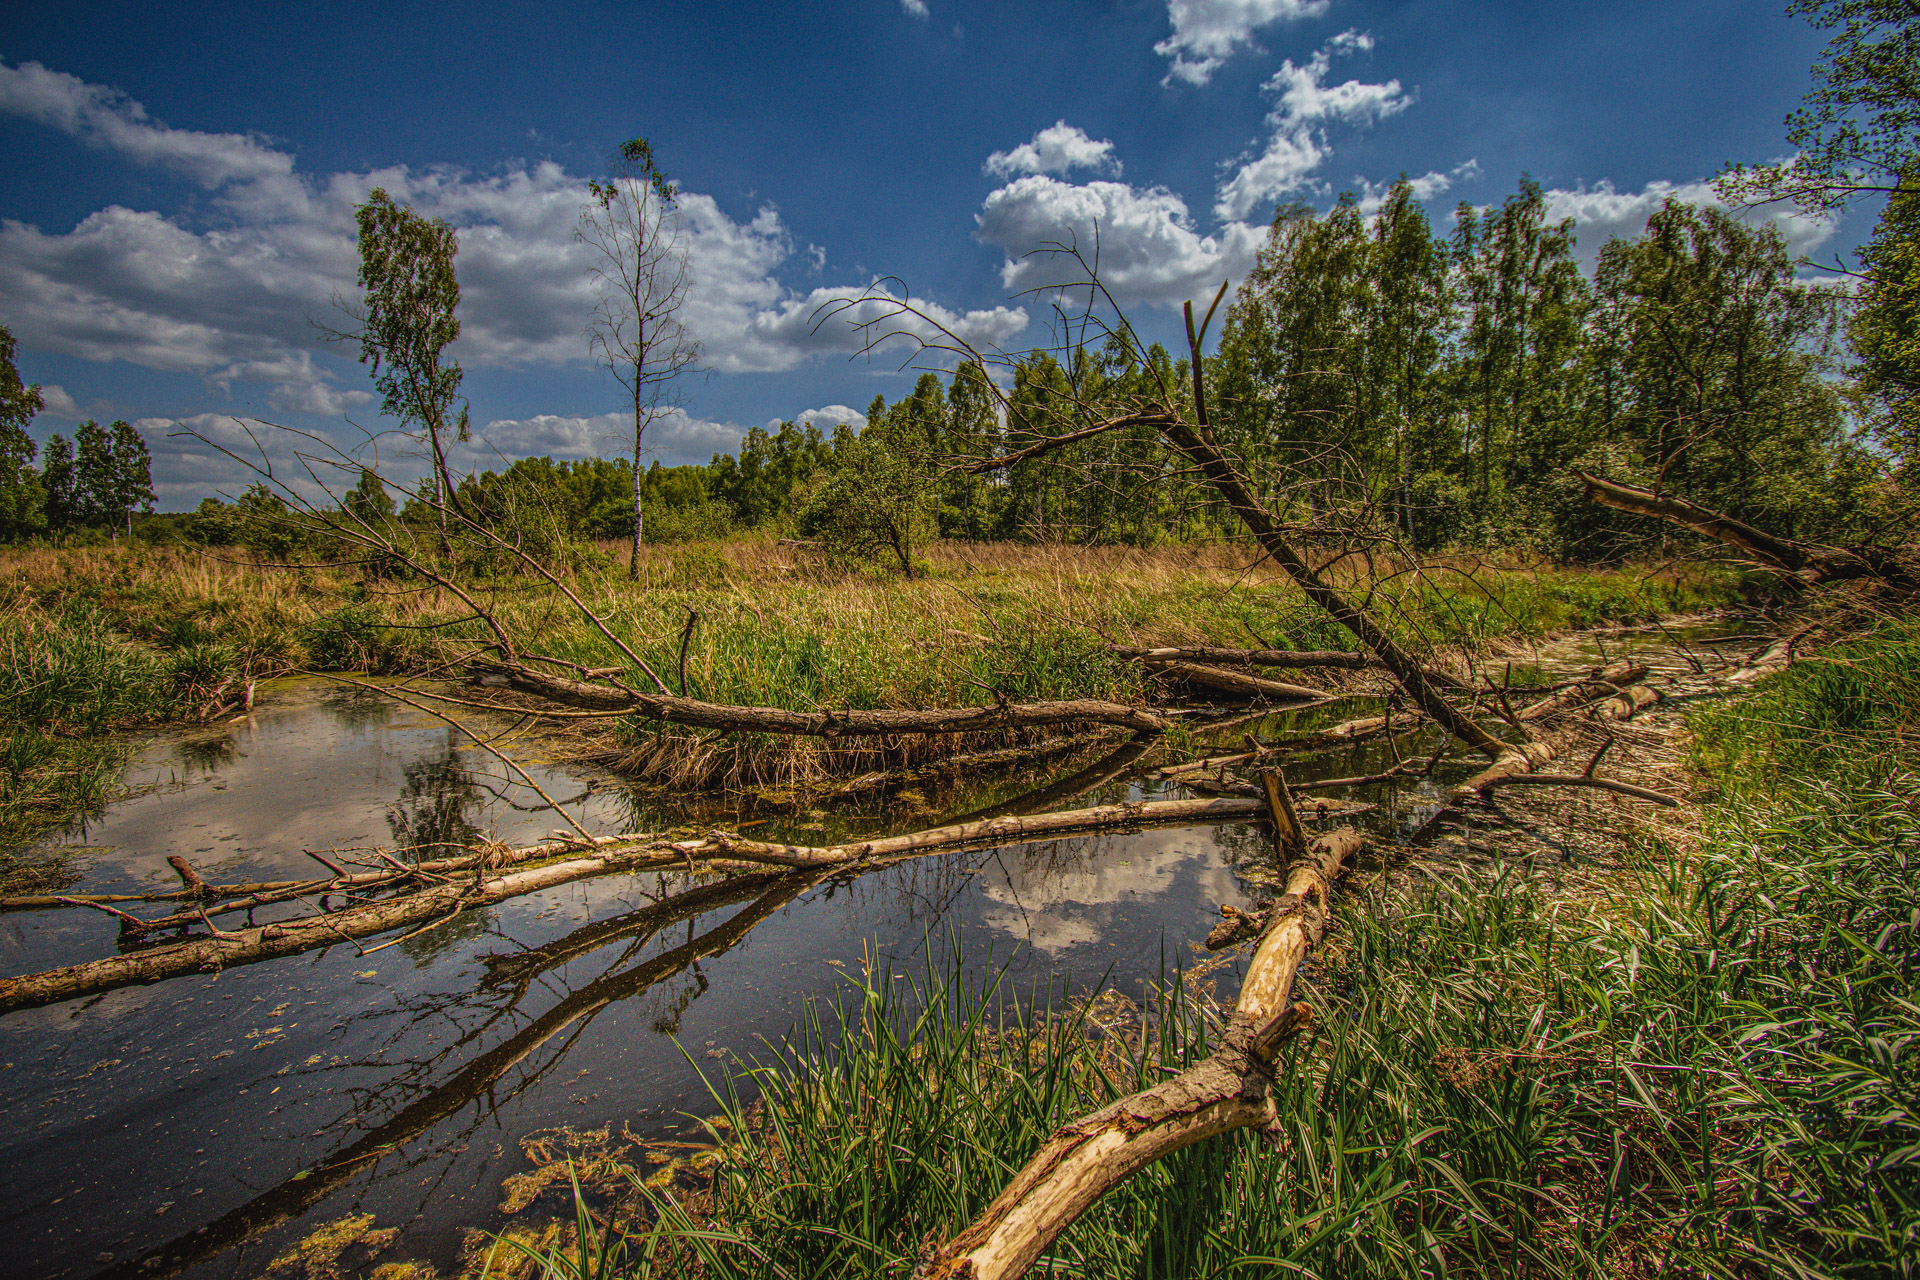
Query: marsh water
pixel 201 1125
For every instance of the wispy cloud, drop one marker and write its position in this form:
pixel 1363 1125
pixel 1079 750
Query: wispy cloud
pixel 1304 105
pixel 1208 32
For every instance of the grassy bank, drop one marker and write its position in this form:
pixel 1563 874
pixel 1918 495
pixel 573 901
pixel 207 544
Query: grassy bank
pixel 166 627
pixel 1715 1071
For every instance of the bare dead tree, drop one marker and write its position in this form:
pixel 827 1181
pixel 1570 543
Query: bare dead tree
pixel 640 270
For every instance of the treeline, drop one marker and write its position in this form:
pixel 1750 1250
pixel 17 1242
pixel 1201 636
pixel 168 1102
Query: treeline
pixel 1445 387
pixel 96 481
pixel 1369 373
pixel 1442 387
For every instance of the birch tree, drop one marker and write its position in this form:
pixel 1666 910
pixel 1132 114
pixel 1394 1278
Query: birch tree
pixel 633 227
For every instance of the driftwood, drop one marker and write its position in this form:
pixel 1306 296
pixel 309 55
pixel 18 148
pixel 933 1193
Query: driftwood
pixel 1226 1090
pixel 1294 658
pixel 1527 757
pixel 1239 683
pixel 1811 562
pixel 210 952
pixel 1611 679
pixel 693 713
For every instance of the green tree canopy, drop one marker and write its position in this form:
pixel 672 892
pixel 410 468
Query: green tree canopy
pixel 22 499
pixel 408 322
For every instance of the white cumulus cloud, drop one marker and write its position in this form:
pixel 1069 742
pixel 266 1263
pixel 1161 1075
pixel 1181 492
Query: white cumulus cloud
pixel 914 8
pixel 1601 212
pixel 1426 187
pixel 1148 247
pixel 1208 32
pixel 826 418
pixel 235 299
pixel 107 118
pixel 673 437
pixel 56 403
pixel 1304 104
pixel 1057 149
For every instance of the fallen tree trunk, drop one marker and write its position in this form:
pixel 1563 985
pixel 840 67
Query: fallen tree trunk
pixel 1295 658
pixel 207 953
pixel 1008 829
pixel 691 712
pixel 1526 757
pixel 1420 686
pixel 263 893
pixel 1612 678
pixel 1227 1090
pixel 1239 683
pixel 979 761
pixel 1777 656
pixel 1811 562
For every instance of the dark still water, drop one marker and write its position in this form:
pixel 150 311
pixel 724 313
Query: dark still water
pixel 203 1125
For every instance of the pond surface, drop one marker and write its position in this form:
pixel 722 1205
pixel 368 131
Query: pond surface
pixel 201 1125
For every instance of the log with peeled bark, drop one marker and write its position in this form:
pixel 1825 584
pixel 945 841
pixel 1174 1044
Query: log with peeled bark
pixel 1527 757
pixel 597 696
pixel 436 904
pixel 1227 1090
pixel 1811 562
pixel 1291 658
pixel 1612 678
pixel 1239 683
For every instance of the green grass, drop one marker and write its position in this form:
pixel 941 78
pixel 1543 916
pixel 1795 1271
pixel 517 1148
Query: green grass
pixel 775 629
pixel 1715 1071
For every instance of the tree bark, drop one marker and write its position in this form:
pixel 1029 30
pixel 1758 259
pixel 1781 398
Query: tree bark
pixel 820 724
pixel 1227 1090
pixel 1811 562
pixel 206 953
pixel 1238 683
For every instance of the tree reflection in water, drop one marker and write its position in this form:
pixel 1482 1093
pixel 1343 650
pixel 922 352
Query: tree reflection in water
pixel 480 1081
pixel 433 818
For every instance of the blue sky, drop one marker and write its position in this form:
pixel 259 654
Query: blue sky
pixel 176 209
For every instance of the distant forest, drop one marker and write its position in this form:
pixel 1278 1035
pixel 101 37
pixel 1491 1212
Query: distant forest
pixel 1450 383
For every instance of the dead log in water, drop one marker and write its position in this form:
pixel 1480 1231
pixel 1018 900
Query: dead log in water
pixel 1527 757
pixel 599 696
pixel 1298 659
pixel 210 952
pixel 1225 1091
pixel 1610 679
pixel 1239 683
